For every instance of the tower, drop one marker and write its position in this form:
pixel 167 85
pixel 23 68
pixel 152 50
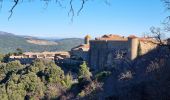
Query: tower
pixel 87 39
pixel 168 41
pixel 133 43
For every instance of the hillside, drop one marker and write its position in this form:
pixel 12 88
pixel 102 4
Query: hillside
pixel 40 41
pixel 10 42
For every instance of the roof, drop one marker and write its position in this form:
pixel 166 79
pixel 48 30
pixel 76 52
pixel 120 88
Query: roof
pixel 84 47
pixel 123 38
pixel 112 37
pixel 132 36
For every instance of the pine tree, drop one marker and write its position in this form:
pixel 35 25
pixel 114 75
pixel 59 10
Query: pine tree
pixel 84 71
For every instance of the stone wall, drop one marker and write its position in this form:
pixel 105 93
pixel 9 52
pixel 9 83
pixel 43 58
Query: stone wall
pixel 80 55
pixel 168 41
pixel 146 47
pixel 102 52
pixel 133 47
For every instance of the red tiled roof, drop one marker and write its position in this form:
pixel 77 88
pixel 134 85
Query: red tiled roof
pixel 83 47
pixel 132 36
pixel 112 37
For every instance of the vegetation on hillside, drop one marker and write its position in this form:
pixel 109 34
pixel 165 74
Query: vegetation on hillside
pixel 10 43
pixel 40 80
pixel 147 79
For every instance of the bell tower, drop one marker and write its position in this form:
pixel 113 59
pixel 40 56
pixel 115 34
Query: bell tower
pixel 87 39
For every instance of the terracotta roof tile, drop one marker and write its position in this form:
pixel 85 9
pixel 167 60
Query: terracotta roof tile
pixel 112 37
pixel 81 47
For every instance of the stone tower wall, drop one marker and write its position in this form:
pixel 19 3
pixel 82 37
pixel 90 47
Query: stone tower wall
pixel 87 39
pixel 168 41
pixel 133 45
pixel 101 53
pixel 100 49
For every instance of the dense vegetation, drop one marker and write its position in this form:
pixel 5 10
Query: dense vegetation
pixel 40 80
pixel 145 78
pixel 10 42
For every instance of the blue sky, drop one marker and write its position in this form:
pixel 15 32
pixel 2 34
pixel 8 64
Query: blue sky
pixel 124 17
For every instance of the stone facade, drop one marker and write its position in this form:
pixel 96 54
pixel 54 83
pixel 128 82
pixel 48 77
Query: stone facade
pixel 28 57
pixel 81 52
pixel 87 39
pixel 45 55
pixel 168 41
pixel 105 51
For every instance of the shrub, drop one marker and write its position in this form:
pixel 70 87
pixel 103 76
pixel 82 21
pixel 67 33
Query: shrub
pixel 84 71
pixel 102 75
pixel 81 94
pixel 68 81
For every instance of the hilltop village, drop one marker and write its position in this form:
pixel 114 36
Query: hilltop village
pixel 110 67
pixel 100 53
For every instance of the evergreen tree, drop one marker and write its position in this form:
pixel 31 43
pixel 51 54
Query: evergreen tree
pixel 84 71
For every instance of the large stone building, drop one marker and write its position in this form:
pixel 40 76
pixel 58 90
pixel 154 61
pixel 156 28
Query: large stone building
pixel 105 50
pixel 102 52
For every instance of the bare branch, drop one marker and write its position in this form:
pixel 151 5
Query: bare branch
pixel 1 4
pixel 71 10
pixel 11 10
pixel 157 34
pixel 107 2
pixel 82 6
pixel 166 4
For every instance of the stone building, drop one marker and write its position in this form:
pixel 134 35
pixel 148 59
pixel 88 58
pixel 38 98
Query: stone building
pixel 81 52
pixel 102 52
pixel 28 57
pixel 87 39
pixel 168 41
pixel 45 55
pixel 106 50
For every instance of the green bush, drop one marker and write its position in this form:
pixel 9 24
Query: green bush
pixel 1 57
pixel 35 81
pixel 81 94
pixel 84 71
pixel 102 75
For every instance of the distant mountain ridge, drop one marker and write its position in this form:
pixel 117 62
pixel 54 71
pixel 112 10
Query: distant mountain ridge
pixel 5 33
pixel 9 42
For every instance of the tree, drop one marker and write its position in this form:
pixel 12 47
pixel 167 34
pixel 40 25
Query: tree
pixel 158 34
pixel 15 90
pixel 19 51
pixel 166 22
pixel 167 7
pixel 13 66
pixel 68 80
pixel 1 57
pixel 3 94
pixel 6 57
pixel 84 71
